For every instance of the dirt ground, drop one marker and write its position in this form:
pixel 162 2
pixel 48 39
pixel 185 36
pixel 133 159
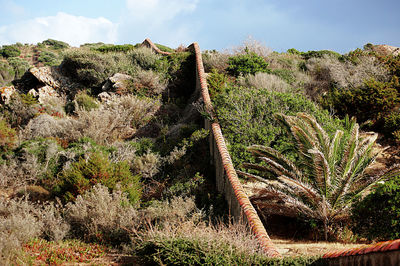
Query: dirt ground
pixel 290 248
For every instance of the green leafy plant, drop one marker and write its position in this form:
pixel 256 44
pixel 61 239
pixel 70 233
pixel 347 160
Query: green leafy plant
pixel 373 101
pixel 86 102
pixel 249 63
pixel 55 44
pixel 246 118
pixel 20 66
pixel 49 58
pixel 216 82
pixel 106 48
pixel 8 136
pixel 9 51
pixel 82 175
pixel 377 216
pixel 327 179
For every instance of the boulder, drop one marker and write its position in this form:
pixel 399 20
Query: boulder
pixel 6 93
pixel 117 83
pixel 386 49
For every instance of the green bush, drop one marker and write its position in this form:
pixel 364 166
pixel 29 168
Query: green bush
pixel 88 67
pixel 377 216
pixel 246 118
pixel 49 58
pixel 373 101
pixel 7 136
pixel 83 174
pixel 293 51
pixel 55 44
pixel 319 54
pixel 86 102
pixel 10 51
pixel 145 58
pixel 285 74
pixel 6 72
pixel 186 251
pixel 164 48
pixel 106 48
pixel 249 63
pixel 392 125
pixel 216 83
pixel 20 66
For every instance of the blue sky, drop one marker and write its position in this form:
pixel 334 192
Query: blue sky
pixel 337 25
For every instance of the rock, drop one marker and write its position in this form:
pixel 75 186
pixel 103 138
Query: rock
pixel 46 76
pixel 6 93
pixel 386 49
pixel 104 97
pixel 117 83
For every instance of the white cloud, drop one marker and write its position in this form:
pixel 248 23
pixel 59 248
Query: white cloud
pixel 158 20
pixel 74 30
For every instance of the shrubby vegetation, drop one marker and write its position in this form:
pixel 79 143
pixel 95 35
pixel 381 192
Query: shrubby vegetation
pixel 122 161
pixel 378 215
pixel 245 119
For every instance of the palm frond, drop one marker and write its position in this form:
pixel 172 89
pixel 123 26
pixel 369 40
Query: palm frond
pixel 263 151
pixel 323 137
pixel 322 171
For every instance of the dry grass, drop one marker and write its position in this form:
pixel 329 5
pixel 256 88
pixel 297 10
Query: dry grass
pixel 328 71
pixel 253 46
pixel 150 81
pixel 215 60
pixel 180 218
pixel 117 119
pixel 265 81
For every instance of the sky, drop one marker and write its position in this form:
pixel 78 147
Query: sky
pixel 338 25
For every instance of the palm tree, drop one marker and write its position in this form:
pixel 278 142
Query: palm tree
pixel 329 175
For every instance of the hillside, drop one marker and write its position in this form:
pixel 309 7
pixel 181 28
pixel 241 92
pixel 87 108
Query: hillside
pixel 104 155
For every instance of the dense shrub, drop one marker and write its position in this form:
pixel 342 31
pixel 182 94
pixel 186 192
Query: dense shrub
pixel 164 48
pixel 6 72
pixel 392 125
pixel 246 117
pixel 20 66
pixel 85 173
pixel 185 251
pixel 145 58
pixel 285 74
pixel 265 81
pixel 215 60
pixel 147 83
pixel 253 46
pixel 10 51
pixel 377 216
pixel 106 48
pixel 102 216
pixel 372 101
pixel 21 220
pixel 216 83
pixel 86 102
pixel 7 136
pixel 319 54
pixel 49 58
pixel 249 63
pixel 55 44
pixel 89 68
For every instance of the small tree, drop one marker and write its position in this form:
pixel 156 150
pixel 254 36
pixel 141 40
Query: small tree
pixel 327 179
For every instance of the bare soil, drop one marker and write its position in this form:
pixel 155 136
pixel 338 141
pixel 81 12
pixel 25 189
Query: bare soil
pixel 290 248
